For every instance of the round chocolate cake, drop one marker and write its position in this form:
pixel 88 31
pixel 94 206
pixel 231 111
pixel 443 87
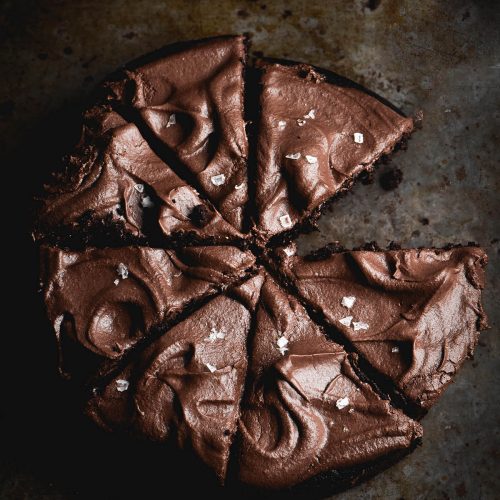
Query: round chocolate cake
pixel 182 312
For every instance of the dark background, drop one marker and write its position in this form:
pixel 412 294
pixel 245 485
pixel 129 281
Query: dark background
pixel 439 56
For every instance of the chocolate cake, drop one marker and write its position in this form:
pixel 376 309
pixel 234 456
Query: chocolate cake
pixel 180 316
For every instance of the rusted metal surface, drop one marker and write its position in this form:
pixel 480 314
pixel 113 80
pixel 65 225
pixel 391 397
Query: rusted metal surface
pixel 441 57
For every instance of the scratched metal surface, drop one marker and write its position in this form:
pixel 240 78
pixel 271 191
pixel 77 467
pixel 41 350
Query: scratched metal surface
pixel 443 59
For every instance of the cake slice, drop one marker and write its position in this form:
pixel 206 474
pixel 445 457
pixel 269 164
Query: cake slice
pixel 414 315
pixel 101 302
pixel 185 388
pixel 188 98
pixel 115 182
pixel 317 132
pixel 306 416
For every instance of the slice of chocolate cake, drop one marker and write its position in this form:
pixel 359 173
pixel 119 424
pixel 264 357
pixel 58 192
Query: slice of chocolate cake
pixel 101 302
pixel 317 132
pixel 115 179
pixel 185 388
pixel 305 413
pixel 414 315
pixel 189 100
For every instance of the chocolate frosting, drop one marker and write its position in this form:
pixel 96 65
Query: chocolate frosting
pixel 103 301
pixel 416 315
pixel 307 150
pixel 198 347
pixel 192 101
pixel 185 387
pixel 306 411
pixel 115 174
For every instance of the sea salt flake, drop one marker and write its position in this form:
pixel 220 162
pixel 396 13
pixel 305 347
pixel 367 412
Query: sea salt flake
pixel 122 385
pixel 171 120
pixel 212 368
pixel 358 137
pixel 311 114
pixel 122 271
pixel 346 321
pixel 301 122
pixel 218 180
pixel 348 301
pixel 283 350
pixel 345 429
pixel 147 202
pixel 285 221
pixel 282 342
pixel 395 349
pixel 239 186
pixel 139 188
pixel 342 403
pixel 289 251
pixel 293 156
pixel 359 325
pixel 281 124
pixel 116 282
pixel 216 335
pixel 311 159
pixel 351 410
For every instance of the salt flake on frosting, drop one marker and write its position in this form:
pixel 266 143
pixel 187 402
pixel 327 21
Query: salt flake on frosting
pixel 289 251
pixel 285 221
pixel 215 335
pixel 359 138
pixel 147 202
pixel 311 159
pixel 346 321
pixel 301 122
pixel 116 282
pixel 122 385
pixel 171 120
pixel 359 325
pixel 342 403
pixel 122 271
pixel 239 186
pixel 293 156
pixel 139 188
pixel 311 114
pixel 212 368
pixel 348 301
pixel 395 349
pixel 218 180
pixel 281 124
pixel 282 345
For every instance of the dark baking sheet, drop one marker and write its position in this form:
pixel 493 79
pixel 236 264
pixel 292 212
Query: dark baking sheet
pixel 441 57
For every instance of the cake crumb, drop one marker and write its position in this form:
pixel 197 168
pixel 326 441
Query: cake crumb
pixel 391 179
